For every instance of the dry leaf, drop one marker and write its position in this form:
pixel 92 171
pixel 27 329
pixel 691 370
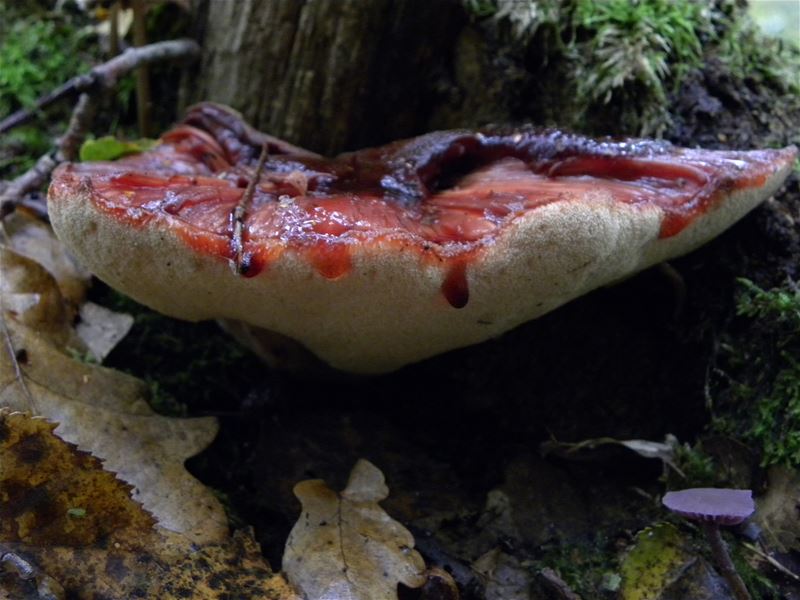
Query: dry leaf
pixel 39 506
pixel 66 521
pixel 101 329
pixel 97 503
pixel 345 547
pixel 664 451
pixel 102 411
pixel 33 239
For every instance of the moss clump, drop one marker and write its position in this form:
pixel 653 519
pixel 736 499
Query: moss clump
pixel 38 52
pixel 586 567
pixel 753 57
pixel 636 52
pixel 190 368
pixel 760 586
pixel 761 399
pixel 694 468
pixel 617 65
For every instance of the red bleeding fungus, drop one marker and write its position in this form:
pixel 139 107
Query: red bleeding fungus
pixel 431 243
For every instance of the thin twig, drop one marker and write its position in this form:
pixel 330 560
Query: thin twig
pixel 724 563
pixel 106 75
pixel 68 145
pixel 238 264
pixel 113 37
pixel 142 73
pixel 555 586
pixel 771 560
pixel 12 356
pixel 33 178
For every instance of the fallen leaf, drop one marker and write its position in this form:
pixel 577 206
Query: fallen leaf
pixel 102 411
pixel 31 296
pixel 664 451
pixel 28 236
pixel 101 329
pixel 21 580
pixel 39 505
pixel 345 546
pixel 66 522
pixel 110 148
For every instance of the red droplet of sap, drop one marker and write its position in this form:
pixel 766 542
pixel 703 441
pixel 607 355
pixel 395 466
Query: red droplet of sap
pixel 455 286
pixel 331 260
pixel 252 264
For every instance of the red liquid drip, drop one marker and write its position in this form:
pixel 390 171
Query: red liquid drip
pixel 332 261
pixel 252 264
pixel 455 286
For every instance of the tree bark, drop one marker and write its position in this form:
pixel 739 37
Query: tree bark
pixel 330 75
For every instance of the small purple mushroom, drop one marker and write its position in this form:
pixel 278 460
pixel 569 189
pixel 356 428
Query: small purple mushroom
pixel 712 507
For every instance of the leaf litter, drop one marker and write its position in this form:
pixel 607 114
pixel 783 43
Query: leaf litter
pixel 64 518
pixel 94 499
pixel 345 546
pixel 93 492
pixel 102 411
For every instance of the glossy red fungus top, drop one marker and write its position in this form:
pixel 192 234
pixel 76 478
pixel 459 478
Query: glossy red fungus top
pixel 445 194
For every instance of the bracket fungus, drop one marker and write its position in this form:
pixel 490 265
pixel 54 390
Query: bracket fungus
pixel 713 507
pixel 382 257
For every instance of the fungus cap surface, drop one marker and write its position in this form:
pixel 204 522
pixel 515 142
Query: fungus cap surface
pixel 712 505
pixel 383 257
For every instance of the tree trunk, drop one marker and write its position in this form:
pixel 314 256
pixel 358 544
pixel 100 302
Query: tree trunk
pixel 328 74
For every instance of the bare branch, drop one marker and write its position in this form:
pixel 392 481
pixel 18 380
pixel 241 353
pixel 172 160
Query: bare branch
pixel 30 180
pixel 106 75
pixel 68 146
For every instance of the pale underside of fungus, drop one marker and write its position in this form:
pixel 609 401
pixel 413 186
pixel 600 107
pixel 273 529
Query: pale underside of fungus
pixel 383 257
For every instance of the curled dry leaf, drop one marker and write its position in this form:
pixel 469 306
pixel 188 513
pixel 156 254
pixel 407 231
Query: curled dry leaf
pixel 596 449
pixel 102 329
pixel 103 411
pixel 64 519
pixel 30 237
pixel 345 546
